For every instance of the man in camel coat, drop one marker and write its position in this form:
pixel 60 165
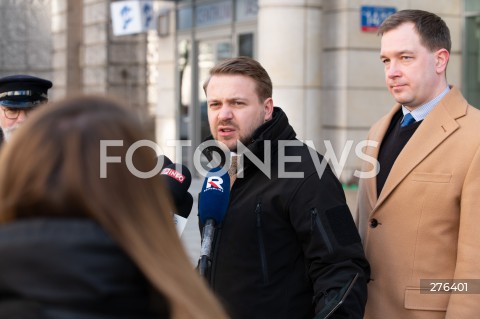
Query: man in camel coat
pixel 419 217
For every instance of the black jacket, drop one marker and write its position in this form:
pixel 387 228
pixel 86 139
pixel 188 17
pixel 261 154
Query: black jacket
pixel 287 245
pixel 70 269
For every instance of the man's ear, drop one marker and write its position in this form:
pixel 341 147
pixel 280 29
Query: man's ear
pixel 441 60
pixel 268 105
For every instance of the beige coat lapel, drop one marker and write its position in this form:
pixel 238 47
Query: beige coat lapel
pixel 437 126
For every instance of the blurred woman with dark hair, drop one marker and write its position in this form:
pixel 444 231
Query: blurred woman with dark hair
pixel 75 244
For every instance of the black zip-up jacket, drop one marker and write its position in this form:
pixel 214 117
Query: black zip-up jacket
pixel 287 245
pixel 69 268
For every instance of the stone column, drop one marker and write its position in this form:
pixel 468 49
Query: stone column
pixel 94 57
pixel 161 79
pixel 354 93
pixel 60 52
pixel 290 49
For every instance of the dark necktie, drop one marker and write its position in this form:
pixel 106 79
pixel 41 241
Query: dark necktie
pixel 407 120
pixel 232 171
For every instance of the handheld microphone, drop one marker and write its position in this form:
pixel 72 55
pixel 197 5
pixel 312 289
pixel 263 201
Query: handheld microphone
pixel 178 179
pixel 212 207
pixel 180 219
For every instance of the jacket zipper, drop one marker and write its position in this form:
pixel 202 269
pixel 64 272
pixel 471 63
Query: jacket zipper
pixel 261 244
pixel 317 224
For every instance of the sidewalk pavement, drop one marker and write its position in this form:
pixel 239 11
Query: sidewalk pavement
pixel 191 234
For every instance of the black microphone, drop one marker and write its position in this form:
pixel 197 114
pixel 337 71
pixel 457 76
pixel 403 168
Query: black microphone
pixel 180 219
pixel 212 207
pixel 178 179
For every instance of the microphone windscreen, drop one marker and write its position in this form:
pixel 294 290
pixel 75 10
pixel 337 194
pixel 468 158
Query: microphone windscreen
pixel 184 206
pixel 178 178
pixel 165 160
pixel 214 196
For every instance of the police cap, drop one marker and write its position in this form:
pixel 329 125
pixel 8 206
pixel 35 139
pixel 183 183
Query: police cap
pixel 23 91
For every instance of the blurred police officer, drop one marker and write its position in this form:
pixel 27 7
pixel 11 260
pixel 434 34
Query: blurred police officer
pixel 20 94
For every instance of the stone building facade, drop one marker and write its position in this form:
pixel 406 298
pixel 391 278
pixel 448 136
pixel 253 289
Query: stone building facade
pixel 26 40
pixel 326 70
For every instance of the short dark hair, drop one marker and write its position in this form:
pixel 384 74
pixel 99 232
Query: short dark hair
pixel 433 31
pixel 244 66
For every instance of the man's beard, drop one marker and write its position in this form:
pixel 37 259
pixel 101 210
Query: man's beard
pixel 8 131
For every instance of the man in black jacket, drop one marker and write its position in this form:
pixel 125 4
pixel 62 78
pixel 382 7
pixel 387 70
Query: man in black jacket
pixel 288 246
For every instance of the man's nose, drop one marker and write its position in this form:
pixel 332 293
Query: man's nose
pixel 225 113
pixel 393 70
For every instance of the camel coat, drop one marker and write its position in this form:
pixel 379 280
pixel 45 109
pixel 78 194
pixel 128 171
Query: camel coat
pixel 425 224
